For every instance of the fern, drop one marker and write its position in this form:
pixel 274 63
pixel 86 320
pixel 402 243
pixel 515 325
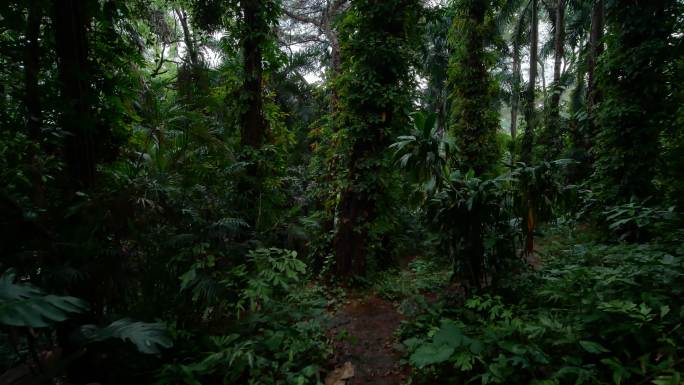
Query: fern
pixel 231 226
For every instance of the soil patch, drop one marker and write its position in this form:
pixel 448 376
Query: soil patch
pixel 363 334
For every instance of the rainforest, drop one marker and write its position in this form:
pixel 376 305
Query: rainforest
pixel 341 192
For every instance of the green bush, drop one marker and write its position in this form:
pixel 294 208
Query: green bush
pixel 594 314
pixel 421 275
pixel 278 336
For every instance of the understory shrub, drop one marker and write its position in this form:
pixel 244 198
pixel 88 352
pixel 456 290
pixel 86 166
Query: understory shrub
pixel 594 314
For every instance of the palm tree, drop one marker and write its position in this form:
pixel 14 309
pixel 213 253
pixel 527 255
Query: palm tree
pixel 425 152
pixel 435 55
pixel 530 118
pixel 595 50
pixel 553 124
pixel 523 16
pixel 518 38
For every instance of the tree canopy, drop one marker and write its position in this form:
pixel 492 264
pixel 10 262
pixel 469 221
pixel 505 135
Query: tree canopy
pixel 207 192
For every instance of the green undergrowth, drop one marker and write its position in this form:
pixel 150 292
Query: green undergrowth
pixel 421 275
pixel 594 313
pixel 277 338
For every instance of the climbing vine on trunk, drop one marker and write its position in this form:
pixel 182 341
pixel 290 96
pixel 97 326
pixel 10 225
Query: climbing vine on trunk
pixel 374 91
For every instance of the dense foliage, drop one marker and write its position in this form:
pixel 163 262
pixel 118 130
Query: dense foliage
pixel 594 314
pixel 189 189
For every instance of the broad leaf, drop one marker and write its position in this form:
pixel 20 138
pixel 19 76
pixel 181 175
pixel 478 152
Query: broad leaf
pixel 430 354
pixel 148 338
pixel 24 305
pixel 593 347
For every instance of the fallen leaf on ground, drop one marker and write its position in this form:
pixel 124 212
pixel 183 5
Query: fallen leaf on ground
pixel 340 376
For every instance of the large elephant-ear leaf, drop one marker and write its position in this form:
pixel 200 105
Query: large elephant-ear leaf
pixel 24 305
pixel 148 338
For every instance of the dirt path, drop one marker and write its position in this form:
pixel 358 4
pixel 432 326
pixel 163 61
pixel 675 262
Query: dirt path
pixel 363 334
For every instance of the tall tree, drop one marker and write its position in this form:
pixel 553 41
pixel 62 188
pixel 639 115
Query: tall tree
pixel 516 80
pixel 587 137
pixel 595 50
pixel 34 117
pixel 553 124
pixel 322 15
pixel 475 120
pixel 521 16
pixel 374 90
pixel 192 82
pixel 435 55
pixel 255 29
pixel 32 68
pixel 71 21
pixel 526 151
pixel 530 95
pixel 635 79
pixel 515 15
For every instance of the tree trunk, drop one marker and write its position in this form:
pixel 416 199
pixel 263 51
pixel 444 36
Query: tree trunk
pixel 34 118
pixel 328 28
pixel 187 38
pixel 192 80
pixel 553 135
pixel 595 50
pixel 593 94
pixel 528 140
pixel 542 77
pixel 31 70
pixel 370 121
pixel 335 70
pixel 350 242
pixel 559 53
pixel 71 31
pixel 472 129
pixel 253 124
pixel 3 107
pixel 515 89
pixel 325 23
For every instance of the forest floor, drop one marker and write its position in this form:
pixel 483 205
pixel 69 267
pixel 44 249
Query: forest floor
pixel 363 328
pixel 365 348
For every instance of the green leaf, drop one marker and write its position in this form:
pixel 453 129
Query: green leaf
pixel 188 278
pixel 430 354
pixel 476 347
pixel 148 338
pixel 593 347
pixel 664 310
pixel 449 334
pixel 24 305
pixel 464 361
pixel 674 379
pixel 10 291
pixel 310 370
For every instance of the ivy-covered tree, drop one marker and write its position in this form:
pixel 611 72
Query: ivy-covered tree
pixel 595 50
pixel 258 17
pixel 475 122
pixel 214 166
pixel 635 78
pixel 475 117
pixel 374 92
